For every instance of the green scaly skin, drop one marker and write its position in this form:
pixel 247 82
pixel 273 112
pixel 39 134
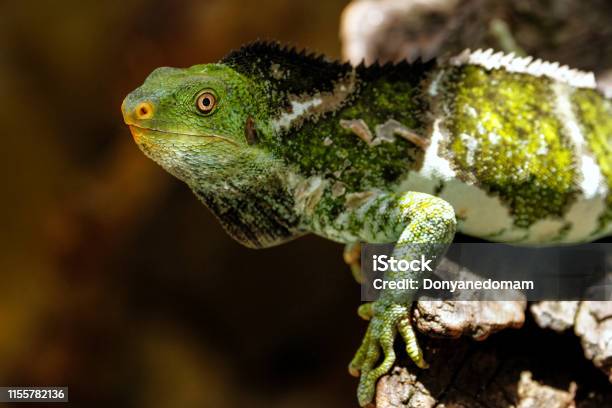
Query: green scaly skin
pixel 298 144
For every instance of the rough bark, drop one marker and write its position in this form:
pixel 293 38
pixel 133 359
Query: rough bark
pixel 463 316
pixel 494 374
pixel 558 316
pixel 591 321
pixel 567 31
pixel 594 327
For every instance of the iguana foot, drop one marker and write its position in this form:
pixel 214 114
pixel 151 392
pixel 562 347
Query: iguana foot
pixel 385 321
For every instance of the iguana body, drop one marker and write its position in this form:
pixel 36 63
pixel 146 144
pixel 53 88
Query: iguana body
pixel 278 143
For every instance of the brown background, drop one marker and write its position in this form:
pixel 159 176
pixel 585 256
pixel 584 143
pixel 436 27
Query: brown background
pixel 115 281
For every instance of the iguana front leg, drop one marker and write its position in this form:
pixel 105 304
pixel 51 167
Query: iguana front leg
pixel 420 224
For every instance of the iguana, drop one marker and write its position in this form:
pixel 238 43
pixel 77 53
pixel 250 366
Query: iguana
pixel 279 143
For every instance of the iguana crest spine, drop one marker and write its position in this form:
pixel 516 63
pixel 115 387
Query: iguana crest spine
pixel 526 65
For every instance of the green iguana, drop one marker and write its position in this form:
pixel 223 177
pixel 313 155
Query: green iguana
pixel 279 143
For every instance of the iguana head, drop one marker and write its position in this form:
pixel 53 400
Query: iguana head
pixel 205 125
pixel 198 122
pixel 202 122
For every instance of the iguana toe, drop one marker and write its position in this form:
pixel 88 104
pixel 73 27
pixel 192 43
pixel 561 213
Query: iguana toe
pixel 385 322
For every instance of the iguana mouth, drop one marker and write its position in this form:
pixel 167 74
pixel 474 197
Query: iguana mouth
pixel 136 128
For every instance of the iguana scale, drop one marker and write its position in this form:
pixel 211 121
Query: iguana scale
pixel 279 143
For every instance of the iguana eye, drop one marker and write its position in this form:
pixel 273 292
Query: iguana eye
pixel 206 102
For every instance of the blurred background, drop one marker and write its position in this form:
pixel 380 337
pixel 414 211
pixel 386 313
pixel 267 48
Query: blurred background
pixel 116 281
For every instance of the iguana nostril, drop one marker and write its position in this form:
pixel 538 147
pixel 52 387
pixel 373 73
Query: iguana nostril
pixel 144 110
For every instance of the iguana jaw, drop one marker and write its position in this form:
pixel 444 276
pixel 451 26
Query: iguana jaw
pixel 196 159
pixel 139 131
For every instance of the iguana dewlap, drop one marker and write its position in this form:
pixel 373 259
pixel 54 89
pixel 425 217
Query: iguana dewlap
pixel 279 143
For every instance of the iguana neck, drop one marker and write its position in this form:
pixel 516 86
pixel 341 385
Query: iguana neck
pixel 258 212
